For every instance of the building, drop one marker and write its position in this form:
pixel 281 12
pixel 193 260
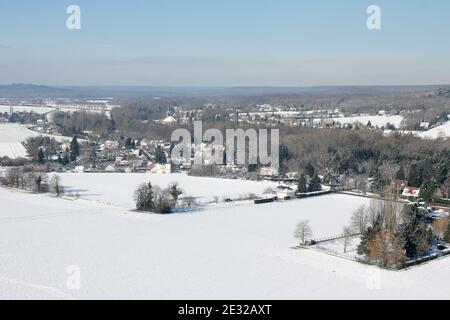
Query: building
pixel 411 192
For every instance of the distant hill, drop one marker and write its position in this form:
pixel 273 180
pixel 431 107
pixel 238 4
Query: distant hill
pixel 41 91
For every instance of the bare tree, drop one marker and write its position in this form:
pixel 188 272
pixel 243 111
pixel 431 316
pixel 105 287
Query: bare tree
pixel 303 231
pixel 346 240
pixel 386 249
pixel 359 219
pixel 55 185
pixel 440 226
pixel 362 184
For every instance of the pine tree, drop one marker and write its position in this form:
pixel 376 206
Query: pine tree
pixel 309 169
pixel 427 190
pixel 160 155
pixel 315 184
pixel 400 175
pixel 144 197
pixel 415 234
pixel 41 157
pixel 74 149
pixel 414 177
pixel 301 184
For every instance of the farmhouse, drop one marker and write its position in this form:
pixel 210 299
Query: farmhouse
pixel 411 192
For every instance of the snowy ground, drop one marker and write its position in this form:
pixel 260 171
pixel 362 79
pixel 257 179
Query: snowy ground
pixel 39 110
pixel 118 188
pixel 379 121
pixel 442 131
pixel 230 253
pixel 11 136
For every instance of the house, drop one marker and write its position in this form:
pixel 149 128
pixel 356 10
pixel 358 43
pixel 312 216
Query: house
pixel 284 192
pixel 159 168
pixel 110 168
pixel 411 192
pixel 169 120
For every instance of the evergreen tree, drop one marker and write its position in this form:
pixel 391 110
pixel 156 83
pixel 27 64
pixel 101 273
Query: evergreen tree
pixel 414 177
pixel 415 235
pixel 65 159
pixel 315 184
pixel 144 197
pixel 301 184
pixel 160 155
pixel 427 190
pixel 41 157
pixel 74 149
pixel 400 175
pixel 310 170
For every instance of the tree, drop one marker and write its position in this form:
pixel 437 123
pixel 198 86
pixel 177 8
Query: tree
pixel 415 176
pixel 315 184
pixel 303 231
pixel 427 190
pixel 55 185
pixel 65 159
pixel 144 197
pixel 74 149
pixel 447 233
pixel 160 155
pixel 414 233
pixel 175 191
pixel 446 186
pixel 359 219
pixel 386 249
pixel 310 170
pixel 347 232
pixel 400 175
pixel 41 156
pixel 301 184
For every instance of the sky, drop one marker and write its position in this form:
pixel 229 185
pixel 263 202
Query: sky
pixel 225 43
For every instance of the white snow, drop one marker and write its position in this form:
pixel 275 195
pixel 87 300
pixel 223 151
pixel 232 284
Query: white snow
pixel 118 189
pixel 35 109
pixel 379 121
pixel 231 253
pixel 442 131
pixel 11 136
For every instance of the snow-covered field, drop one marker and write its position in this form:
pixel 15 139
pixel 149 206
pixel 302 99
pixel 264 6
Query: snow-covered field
pixel 118 189
pixel 11 136
pixel 229 253
pixel 379 121
pixel 36 109
pixel 442 131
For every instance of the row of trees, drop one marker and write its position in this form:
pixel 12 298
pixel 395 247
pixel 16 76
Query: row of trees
pixel 18 177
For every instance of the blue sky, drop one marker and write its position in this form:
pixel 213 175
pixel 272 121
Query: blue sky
pixel 225 43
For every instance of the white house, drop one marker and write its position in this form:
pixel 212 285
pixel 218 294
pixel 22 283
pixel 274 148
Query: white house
pixel 411 192
pixel 159 168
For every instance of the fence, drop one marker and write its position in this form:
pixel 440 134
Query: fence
pixel 331 238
